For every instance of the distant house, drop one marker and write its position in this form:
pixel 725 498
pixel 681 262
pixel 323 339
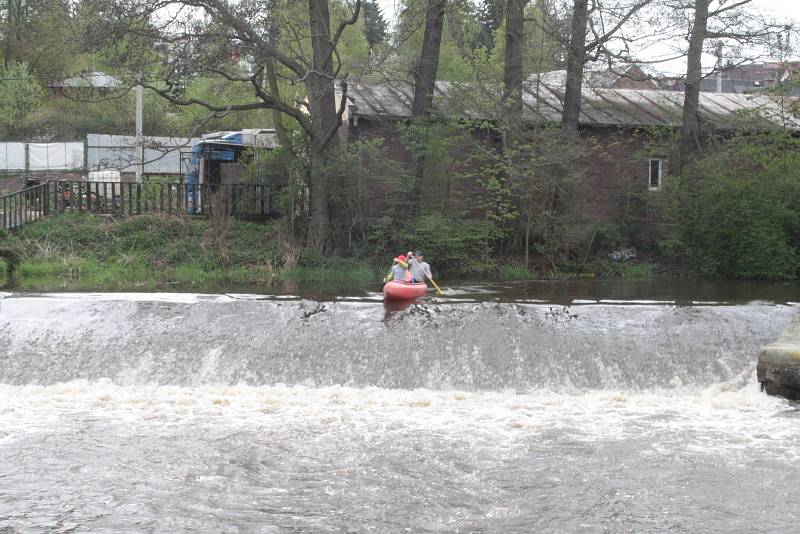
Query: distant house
pixel 621 161
pixel 751 78
pixel 94 81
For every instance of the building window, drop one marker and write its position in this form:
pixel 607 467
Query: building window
pixel 656 173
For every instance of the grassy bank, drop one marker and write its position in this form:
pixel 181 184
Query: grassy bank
pixel 80 251
pixel 89 252
pixel 598 269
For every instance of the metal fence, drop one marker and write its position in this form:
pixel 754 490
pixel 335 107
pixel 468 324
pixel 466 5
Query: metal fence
pixel 240 200
pixel 24 206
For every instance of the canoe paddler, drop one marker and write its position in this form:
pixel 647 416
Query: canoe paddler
pixel 399 270
pixel 419 268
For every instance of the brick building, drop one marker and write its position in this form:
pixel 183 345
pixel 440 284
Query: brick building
pixel 623 159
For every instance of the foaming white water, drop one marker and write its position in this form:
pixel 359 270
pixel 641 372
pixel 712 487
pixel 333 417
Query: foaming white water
pixel 175 298
pixel 724 416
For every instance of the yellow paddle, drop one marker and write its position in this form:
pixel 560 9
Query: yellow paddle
pixel 438 289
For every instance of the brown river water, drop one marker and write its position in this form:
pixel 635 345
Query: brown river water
pixel 533 407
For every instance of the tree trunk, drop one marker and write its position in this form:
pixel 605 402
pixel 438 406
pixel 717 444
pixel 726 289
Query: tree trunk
pixel 277 116
pixel 424 85
pixel 690 133
pixel 428 64
pixel 528 239
pixel 576 60
pixel 322 108
pixel 513 66
pixel 272 82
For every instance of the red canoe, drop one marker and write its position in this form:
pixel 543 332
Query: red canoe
pixel 404 291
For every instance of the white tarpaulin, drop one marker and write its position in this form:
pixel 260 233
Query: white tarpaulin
pixel 12 156
pixel 162 155
pixel 55 156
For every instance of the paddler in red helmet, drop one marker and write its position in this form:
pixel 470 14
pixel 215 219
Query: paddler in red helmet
pixel 399 271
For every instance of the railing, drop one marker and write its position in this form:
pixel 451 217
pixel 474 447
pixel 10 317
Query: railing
pixel 241 200
pixel 24 206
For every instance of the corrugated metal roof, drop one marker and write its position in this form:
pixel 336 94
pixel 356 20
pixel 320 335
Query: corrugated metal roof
pixel 599 106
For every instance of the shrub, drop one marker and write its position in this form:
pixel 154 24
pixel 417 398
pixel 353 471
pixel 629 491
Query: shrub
pixel 451 246
pixel 515 272
pixel 737 210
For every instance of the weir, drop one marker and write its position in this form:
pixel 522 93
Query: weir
pixel 174 412
pixel 196 339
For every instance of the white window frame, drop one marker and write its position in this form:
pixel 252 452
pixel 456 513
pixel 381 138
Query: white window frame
pixel 660 174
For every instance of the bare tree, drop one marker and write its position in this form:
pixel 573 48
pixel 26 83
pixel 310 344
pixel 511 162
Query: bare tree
pixel 197 39
pixel 513 72
pixel 722 21
pixel 603 21
pixel 576 60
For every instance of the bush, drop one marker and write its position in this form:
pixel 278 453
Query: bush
pixel 515 272
pixel 452 246
pixel 310 258
pixel 737 211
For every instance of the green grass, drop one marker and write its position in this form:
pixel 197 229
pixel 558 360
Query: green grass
pixel 332 274
pixel 515 272
pixel 3 267
pixel 635 271
pixel 87 252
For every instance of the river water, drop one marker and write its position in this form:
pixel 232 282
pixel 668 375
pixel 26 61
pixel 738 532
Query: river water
pixel 484 410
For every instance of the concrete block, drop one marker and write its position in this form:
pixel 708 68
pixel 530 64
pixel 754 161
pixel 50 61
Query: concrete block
pixel 778 366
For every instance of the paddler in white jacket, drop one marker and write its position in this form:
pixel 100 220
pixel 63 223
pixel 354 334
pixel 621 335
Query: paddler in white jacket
pixel 420 270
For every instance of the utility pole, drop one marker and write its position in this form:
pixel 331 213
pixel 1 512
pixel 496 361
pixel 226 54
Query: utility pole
pixel 719 68
pixel 139 142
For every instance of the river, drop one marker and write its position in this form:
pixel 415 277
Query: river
pixel 494 408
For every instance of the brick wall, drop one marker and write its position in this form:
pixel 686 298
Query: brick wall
pixel 612 172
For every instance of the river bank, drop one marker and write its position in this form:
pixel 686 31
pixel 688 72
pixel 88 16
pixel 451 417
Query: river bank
pixel 87 252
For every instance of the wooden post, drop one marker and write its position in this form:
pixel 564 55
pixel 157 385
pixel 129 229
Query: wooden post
pixel 169 198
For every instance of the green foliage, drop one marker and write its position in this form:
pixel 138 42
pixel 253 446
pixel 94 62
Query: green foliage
pixel 21 97
pixel 85 252
pixel 355 171
pixel 737 210
pixel 631 271
pixel 453 246
pixel 375 24
pixel 515 272
pixel 444 152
